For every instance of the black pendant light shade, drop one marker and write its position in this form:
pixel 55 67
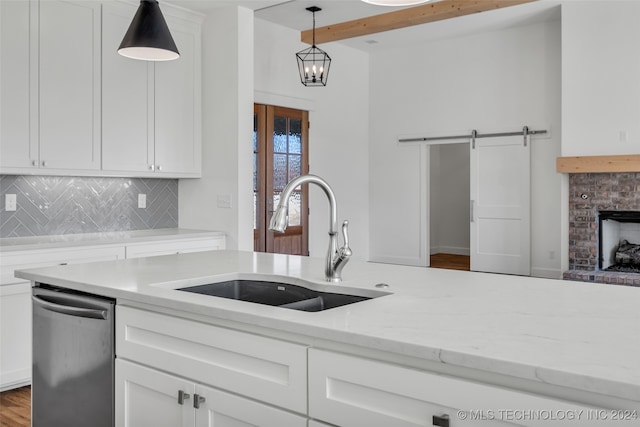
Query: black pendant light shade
pixel 313 62
pixel 148 37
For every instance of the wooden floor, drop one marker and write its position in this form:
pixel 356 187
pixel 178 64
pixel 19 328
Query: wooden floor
pixel 451 262
pixel 15 407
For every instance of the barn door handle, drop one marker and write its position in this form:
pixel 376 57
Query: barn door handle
pixel 471 210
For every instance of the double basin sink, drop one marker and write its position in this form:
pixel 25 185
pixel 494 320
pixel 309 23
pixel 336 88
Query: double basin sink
pixel 285 295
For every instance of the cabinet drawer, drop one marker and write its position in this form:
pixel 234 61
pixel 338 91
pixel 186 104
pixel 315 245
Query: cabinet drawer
pixel 265 369
pixel 9 262
pixel 175 247
pixel 353 391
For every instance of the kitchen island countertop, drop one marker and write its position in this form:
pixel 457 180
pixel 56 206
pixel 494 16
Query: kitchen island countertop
pixel 583 336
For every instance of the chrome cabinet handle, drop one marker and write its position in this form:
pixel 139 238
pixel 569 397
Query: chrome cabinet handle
pixel 152 167
pixel 44 164
pixel 197 400
pixel 182 396
pixel 34 163
pixel 159 167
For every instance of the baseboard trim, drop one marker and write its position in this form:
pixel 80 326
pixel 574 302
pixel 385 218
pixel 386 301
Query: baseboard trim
pixel 546 273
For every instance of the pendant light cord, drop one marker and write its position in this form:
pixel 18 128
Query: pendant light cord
pixel 314 29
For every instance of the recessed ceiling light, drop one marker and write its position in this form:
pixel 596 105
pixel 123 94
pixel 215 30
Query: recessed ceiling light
pixel 371 41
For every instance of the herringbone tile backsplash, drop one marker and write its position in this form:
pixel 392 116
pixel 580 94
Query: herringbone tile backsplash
pixel 50 205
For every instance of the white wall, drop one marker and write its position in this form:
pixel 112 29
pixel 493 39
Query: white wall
pixel 338 135
pixel 449 198
pixel 227 118
pixel 490 82
pixel 600 77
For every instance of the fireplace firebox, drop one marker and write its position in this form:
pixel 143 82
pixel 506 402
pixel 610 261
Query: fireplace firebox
pixel 619 241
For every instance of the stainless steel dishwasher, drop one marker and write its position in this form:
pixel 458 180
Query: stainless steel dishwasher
pixel 73 359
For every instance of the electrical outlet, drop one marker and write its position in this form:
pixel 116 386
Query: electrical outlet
pixel 142 201
pixel 10 203
pixel 224 201
pixel 624 136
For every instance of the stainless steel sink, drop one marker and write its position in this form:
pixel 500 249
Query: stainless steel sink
pixel 280 294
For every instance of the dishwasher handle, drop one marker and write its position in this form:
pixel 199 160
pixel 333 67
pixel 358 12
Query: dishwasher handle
pixel 91 313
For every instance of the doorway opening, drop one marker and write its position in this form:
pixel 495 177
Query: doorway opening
pixel 449 194
pixel 280 154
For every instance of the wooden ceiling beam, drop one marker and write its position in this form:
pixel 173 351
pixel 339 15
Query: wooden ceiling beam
pixel 430 12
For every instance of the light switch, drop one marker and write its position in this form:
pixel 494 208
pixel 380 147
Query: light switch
pixel 10 203
pixel 142 201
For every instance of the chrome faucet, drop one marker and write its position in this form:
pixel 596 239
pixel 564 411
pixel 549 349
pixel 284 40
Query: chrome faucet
pixel 336 257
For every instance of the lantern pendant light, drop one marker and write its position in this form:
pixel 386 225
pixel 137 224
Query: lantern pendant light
pixel 148 37
pixel 313 62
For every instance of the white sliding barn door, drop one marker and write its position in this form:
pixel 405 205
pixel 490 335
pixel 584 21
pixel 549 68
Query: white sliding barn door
pixel 500 205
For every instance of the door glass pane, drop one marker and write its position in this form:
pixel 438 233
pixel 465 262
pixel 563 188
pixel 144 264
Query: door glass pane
pixel 295 136
pixel 255 171
pixel 280 135
pixel 255 132
pixel 279 171
pixel 294 166
pixel 295 206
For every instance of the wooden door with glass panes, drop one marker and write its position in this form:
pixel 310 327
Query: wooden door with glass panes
pixel 280 154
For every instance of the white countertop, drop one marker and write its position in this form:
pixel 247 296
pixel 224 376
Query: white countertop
pixel 579 335
pixel 9 244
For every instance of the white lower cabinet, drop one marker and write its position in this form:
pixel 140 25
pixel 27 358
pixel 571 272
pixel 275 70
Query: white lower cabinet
pixel 182 246
pixel 351 391
pixel 146 397
pixel 15 335
pixel 261 368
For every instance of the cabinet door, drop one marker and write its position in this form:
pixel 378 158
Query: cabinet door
pixel 177 103
pixel 69 85
pixel 261 368
pixel 220 409
pixel 149 398
pixel 352 391
pixel 15 335
pixel 127 141
pixel 18 149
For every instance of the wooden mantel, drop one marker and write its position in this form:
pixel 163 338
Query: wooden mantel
pixel 594 164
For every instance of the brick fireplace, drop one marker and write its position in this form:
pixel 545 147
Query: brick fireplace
pixel 589 194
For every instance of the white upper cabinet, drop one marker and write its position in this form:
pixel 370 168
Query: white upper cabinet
pixel 177 102
pixel 15 139
pixel 151 111
pixel 71 105
pixel 69 85
pixel 127 114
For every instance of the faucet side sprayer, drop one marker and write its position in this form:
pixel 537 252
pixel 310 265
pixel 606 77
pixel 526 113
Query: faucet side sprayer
pixel 336 257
